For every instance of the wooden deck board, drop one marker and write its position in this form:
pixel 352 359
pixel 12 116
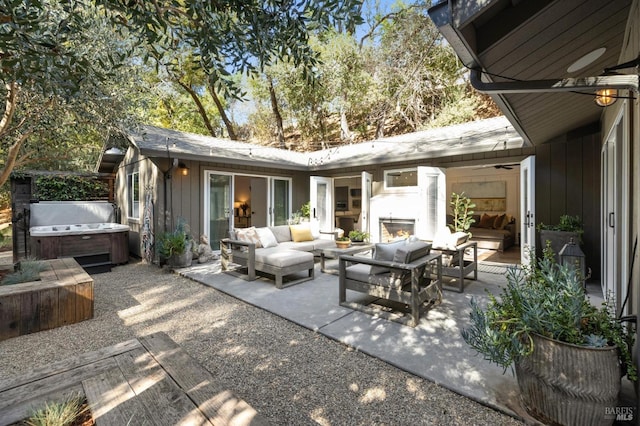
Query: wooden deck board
pixel 112 400
pixel 218 403
pixel 16 412
pixel 68 364
pixel 22 396
pixel 146 381
pixel 154 388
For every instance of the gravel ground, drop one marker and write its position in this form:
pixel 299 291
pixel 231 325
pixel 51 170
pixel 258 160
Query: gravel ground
pixel 290 374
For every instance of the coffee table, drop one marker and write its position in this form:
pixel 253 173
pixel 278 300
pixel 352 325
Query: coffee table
pixel 335 252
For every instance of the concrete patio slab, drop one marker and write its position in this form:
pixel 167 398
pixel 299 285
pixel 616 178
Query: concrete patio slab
pixel 433 350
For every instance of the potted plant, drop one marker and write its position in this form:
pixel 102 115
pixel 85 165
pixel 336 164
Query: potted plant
pixel 569 228
pixel 175 247
pixel 301 215
pixel 462 208
pixel 568 355
pixel 343 242
pixel 358 236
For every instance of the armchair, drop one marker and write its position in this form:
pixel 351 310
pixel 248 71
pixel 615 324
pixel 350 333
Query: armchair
pixel 456 266
pixel 401 276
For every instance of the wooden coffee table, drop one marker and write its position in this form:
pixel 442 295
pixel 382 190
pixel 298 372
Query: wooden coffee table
pixel 335 252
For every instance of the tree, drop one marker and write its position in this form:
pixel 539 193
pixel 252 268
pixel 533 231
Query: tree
pixel 236 35
pixel 57 57
pixel 56 60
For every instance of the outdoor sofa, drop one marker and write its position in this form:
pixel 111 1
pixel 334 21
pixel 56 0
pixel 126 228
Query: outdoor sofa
pixel 493 232
pixel 401 276
pixel 278 251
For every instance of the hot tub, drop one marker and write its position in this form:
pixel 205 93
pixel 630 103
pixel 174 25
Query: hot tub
pixel 81 240
pixel 85 228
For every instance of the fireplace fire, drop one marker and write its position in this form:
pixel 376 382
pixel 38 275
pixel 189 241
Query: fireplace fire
pixel 396 229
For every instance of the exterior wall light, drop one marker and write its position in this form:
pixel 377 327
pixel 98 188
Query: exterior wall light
pixel 606 97
pixel 184 170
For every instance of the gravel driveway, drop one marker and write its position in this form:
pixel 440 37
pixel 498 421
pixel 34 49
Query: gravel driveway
pixel 290 374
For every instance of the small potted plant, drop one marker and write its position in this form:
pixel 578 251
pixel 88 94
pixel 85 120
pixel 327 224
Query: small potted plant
pixel 343 242
pixel 175 247
pixel 568 355
pixel 358 236
pixel 462 208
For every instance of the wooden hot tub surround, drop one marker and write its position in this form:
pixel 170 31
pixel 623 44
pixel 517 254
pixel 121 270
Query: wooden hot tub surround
pixel 64 295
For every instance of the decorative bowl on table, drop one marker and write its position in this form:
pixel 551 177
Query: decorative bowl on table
pixel 343 243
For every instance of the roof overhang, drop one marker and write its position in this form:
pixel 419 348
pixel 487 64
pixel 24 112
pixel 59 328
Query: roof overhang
pixel 523 51
pixel 494 134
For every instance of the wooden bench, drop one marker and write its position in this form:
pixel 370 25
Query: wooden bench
pixel 149 380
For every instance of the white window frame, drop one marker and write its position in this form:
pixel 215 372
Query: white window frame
pixel 133 205
pixel 401 188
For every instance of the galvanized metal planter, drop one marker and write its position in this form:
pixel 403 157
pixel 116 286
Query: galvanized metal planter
pixel 568 384
pixel 181 260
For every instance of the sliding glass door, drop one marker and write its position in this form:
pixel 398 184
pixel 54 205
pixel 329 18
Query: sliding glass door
pixel 280 208
pixel 269 199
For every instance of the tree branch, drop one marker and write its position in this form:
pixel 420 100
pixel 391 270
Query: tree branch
pixel 11 103
pixel 201 110
pixel 390 15
pixel 12 155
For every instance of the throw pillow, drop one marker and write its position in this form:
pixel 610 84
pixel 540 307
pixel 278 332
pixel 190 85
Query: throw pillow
pixel 500 222
pixel 248 235
pixel 457 238
pixel 411 252
pixel 442 238
pixel 267 239
pixel 300 233
pixel 486 221
pixel 281 232
pixel 385 251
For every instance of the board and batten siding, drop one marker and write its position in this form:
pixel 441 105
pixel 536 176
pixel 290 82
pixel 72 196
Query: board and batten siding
pixel 568 182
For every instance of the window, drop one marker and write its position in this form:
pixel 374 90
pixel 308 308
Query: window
pixel 401 178
pixel 133 187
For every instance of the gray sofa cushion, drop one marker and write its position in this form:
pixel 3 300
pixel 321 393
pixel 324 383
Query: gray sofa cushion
pixel 282 233
pixel 380 275
pixel 359 272
pixel 302 246
pixel 276 256
pixel 319 244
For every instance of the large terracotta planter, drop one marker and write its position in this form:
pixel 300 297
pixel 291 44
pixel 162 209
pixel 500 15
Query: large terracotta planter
pixel 568 384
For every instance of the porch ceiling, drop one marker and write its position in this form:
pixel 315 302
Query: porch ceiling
pixel 536 40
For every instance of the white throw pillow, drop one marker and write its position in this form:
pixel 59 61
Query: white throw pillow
pixel 267 239
pixel 442 238
pixel 248 235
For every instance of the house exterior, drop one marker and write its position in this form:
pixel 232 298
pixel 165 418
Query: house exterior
pixel 543 62
pixel 393 185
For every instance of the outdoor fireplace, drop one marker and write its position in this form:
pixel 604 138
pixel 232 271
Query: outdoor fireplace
pixel 394 229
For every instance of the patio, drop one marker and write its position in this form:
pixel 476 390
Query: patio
pixel 433 350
